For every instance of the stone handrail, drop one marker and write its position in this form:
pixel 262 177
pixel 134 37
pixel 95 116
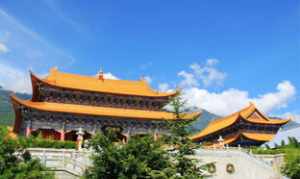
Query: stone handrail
pixel 70 160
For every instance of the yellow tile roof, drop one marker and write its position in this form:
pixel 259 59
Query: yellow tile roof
pixel 262 137
pixel 245 114
pixel 102 111
pixel 258 136
pixel 94 84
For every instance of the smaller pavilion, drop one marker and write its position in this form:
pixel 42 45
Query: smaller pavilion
pixel 248 127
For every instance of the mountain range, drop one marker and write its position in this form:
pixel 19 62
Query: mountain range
pixel 6 110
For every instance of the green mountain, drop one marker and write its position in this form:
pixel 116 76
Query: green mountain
pixel 200 123
pixel 6 111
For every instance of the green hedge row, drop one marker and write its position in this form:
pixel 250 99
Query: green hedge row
pixel 37 142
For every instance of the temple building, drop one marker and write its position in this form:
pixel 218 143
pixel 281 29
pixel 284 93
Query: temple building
pixel 65 106
pixel 248 127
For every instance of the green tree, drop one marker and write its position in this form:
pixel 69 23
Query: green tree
pixel 292 167
pixel 16 162
pixel 141 157
pixel 182 145
pixel 144 157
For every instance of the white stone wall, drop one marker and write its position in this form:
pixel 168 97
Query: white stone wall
pixel 246 166
pixel 72 163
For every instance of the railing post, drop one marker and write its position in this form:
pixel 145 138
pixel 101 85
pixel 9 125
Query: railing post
pixel 44 157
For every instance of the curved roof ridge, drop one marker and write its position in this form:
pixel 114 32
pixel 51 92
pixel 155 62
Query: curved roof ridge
pixel 258 136
pixel 90 83
pixel 227 121
pixel 263 137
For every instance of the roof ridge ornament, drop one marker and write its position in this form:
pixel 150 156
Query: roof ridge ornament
pixel 100 74
pixel 251 103
pixel 53 69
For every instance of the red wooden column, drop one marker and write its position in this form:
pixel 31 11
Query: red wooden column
pixel 28 131
pixel 62 135
pixel 62 132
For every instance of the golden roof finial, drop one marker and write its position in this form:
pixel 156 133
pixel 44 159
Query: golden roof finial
pixel 291 117
pixel 101 74
pixel 251 103
pixel 53 70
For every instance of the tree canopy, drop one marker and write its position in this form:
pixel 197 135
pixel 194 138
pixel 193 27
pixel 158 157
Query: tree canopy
pixel 144 157
pixel 16 162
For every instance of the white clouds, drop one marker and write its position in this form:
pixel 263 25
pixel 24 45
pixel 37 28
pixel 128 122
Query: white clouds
pixel 148 79
pixel 110 76
pixel 222 103
pixel 285 92
pixel 29 49
pixel 231 100
pixel 294 116
pixel 212 61
pixel 14 79
pixel 3 48
pixel 206 74
pixel 189 79
pixel 163 87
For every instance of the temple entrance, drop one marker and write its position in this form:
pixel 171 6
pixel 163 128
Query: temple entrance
pixel 87 136
pixel 72 136
pixel 47 134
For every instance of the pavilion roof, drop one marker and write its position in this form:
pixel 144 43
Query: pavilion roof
pixel 96 84
pixel 102 111
pixel 261 137
pixel 249 114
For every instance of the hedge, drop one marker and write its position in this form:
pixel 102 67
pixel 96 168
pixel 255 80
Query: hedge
pixel 37 142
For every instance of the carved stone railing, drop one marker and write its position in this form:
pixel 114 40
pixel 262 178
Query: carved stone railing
pixel 69 160
pixel 246 165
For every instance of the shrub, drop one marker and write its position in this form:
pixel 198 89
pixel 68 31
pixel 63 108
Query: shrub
pixel 292 166
pixel 16 162
pixel 38 142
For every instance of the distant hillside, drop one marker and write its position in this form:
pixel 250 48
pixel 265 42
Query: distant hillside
pixel 291 129
pixel 202 121
pixel 6 111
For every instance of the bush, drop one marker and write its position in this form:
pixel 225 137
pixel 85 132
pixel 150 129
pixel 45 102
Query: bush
pixel 292 165
pixel 38 142
pixel 292 156
pixel 16 162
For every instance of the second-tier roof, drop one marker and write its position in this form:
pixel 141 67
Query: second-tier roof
pixel 103 111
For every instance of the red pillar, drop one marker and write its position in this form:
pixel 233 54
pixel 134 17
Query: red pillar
pixel 62 135
pixel 28 131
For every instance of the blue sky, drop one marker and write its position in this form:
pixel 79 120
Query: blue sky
pixel 254 46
